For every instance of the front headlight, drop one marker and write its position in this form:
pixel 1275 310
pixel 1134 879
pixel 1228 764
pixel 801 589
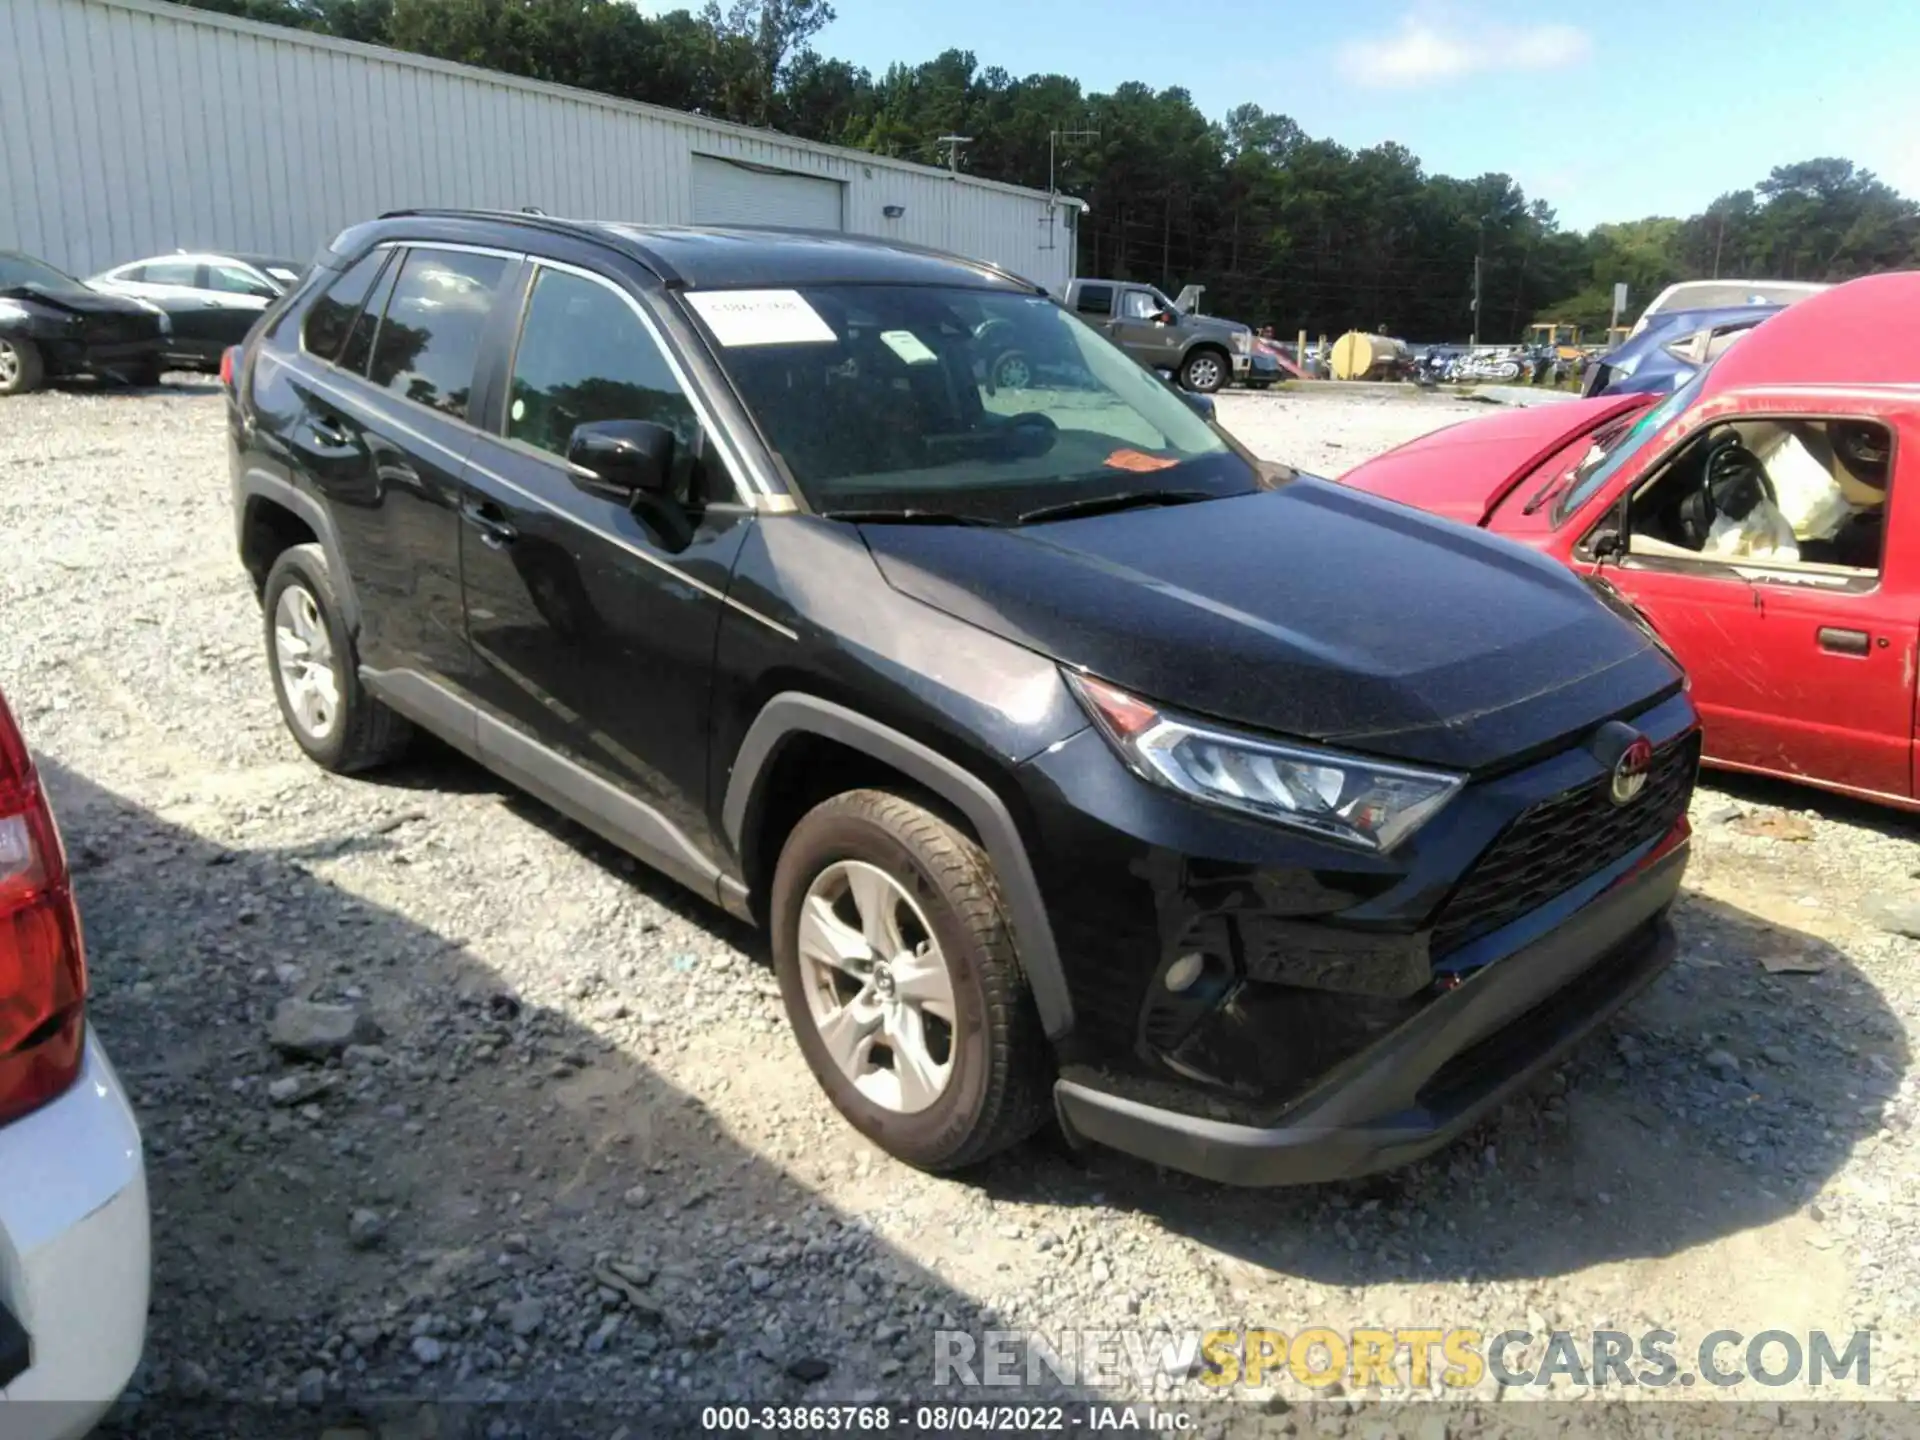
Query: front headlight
pixel 1349 798
pixel 166 320
pixel 1242 341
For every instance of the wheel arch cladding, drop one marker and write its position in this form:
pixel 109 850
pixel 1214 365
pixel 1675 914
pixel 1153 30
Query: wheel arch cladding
pixel 790 715
pixel 274 517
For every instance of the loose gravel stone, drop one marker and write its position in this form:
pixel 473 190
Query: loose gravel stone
pixel 309 1031
pixel 366 1229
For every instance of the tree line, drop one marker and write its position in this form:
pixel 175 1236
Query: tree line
pixel 1281 227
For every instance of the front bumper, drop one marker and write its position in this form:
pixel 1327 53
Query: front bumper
pixel 1425 1083
pixel 116 360
pixel 74 1255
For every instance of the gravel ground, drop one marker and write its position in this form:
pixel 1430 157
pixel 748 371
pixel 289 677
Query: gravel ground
pixel 573 1155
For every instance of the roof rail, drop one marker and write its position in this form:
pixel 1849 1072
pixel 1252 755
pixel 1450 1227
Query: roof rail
pixel 624 241
pixel 537 219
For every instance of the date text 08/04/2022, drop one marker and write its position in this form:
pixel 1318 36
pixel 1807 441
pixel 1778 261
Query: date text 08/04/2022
pixel 942 1419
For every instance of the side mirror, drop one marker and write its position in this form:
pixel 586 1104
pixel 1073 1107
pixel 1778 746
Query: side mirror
pixel 621 459
pixel 1203 405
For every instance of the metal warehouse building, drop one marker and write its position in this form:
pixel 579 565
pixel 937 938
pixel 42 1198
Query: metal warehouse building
pixel 130 128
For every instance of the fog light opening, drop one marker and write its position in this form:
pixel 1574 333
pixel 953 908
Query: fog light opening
pixel 1186 970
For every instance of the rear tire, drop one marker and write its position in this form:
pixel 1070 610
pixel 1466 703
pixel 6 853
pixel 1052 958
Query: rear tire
pixel 938 1091
pixel 316 673
pixel 22 367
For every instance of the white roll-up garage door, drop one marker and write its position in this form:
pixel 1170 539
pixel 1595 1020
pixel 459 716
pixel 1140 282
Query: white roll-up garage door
pixel 729 194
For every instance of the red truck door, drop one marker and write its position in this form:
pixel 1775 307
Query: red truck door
pixel 1799 671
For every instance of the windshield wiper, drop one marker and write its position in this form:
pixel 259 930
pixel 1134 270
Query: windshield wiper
pixel 907 517
pixel 1106 504
pixel 1550 490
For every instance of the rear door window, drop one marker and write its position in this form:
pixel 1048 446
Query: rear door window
pixel 233 280
pixel 429 339
pixel 183 273
pixel 332 314
pixel 1094 300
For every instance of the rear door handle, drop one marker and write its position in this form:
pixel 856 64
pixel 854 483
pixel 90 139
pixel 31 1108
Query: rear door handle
pixel 328 433
pixel 1843 642
pixel 491 521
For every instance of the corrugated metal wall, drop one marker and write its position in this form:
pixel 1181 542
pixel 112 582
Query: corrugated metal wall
pixel 129 127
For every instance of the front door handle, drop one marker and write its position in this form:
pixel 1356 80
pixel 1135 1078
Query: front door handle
pixel 496 533
pixel 1843 642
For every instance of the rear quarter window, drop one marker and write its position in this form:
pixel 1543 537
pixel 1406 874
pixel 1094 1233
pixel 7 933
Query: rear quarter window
pixel 332 313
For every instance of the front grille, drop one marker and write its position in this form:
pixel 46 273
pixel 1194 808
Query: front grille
pixel 1554 845
pixel 121 329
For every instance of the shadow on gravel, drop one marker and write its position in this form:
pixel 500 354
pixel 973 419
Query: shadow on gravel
pixel 1722 1099
pixel 1646 1113
pixel 492 1203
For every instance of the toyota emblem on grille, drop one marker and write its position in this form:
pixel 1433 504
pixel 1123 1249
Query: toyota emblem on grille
pixel 1630 771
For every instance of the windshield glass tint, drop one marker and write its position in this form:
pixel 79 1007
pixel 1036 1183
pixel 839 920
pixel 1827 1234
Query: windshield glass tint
pixel 23 270
pixel 976 403
pixel 1613 447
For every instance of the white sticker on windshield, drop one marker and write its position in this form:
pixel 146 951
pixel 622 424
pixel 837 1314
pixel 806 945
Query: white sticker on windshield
pixel 760 317
pixel 908 346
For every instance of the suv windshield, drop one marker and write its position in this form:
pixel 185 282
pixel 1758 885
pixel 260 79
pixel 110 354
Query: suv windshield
pixel 933 402
pixel 23 272
pixel 1619 442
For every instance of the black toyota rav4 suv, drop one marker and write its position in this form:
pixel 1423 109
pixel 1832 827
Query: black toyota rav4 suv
pixel 1076 762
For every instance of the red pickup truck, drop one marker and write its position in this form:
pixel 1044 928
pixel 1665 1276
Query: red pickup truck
pixel 1763 520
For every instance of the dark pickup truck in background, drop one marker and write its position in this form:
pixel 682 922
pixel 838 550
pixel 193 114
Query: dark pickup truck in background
pixel 1201 351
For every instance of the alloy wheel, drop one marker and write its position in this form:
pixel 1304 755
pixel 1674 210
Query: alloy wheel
pixel 1013 373
pixel 1204 373
pixel 303 654
pixel 877 986
pixel 9 364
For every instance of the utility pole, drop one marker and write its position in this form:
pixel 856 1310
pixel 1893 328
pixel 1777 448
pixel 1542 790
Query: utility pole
pixel 953 144
pixel 1479 259
pixel 1475 341
pixel 1054 137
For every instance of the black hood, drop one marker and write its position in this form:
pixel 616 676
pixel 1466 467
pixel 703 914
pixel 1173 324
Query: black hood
pixel 77 302
pixel 1313 611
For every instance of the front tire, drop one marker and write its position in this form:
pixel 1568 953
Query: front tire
pixel 22 368
pixel 316 674
pixel 897 965
pixel 1204 372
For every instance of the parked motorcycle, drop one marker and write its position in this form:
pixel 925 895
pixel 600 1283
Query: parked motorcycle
pixel 1508 364
pixel 1434 365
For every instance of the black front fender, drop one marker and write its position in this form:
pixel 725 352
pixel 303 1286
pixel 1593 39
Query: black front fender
pixel 792 713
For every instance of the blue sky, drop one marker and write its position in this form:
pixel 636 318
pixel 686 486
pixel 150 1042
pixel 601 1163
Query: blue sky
pixel 1607 111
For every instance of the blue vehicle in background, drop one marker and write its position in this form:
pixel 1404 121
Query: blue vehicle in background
pixel 1672 346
